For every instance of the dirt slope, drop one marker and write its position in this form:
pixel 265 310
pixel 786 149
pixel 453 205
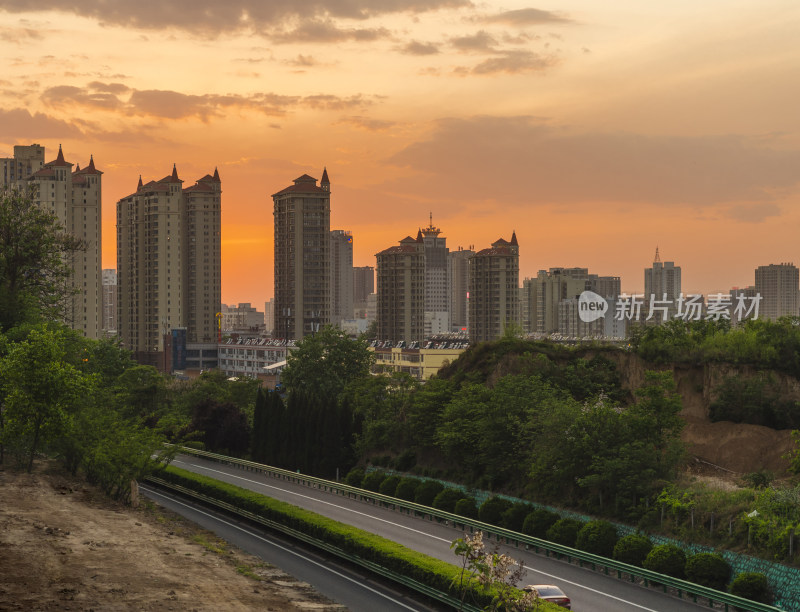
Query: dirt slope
pixel 63 546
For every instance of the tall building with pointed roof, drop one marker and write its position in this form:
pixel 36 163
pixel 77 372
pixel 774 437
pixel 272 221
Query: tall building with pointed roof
pixel 302 223
pixel 662 283
pixel 401 291
pixel 169 267
pixel 437 316
pixel 75 198
pixel 494 290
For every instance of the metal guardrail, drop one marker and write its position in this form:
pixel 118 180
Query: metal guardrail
pixel 373 567
pixel 648 577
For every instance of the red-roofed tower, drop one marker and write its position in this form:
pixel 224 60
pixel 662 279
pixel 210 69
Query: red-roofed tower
pixel 169 272
pixel 401 291
pixel 75 199
pixel 494 290
pixel 302 223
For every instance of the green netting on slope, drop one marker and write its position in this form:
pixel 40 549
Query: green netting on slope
pixel 783 579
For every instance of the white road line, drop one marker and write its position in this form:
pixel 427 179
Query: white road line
pixel 283 548
pixel 319 501
pixel 261 484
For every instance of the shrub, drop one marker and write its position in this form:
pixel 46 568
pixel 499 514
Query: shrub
pixel 565 531
pixel 389 485
pixel 708 569
pixel 538 522
pixel 372 481
pixel 407 489
pixel 491 511
pixel 355 477
pixel 466 507
pixel 427 492
pixel 195 444
pixel 437 574
pixel 598 538
pixel 758 480
pixel 447 499
pixel 666 559
pixel 633 549
pixel 514 517
pixel 751 585
pixel 405 460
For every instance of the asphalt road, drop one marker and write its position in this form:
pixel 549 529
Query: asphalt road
pixel 342 584
pixel 589 590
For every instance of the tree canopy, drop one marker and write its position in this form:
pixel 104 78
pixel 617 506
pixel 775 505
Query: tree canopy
pixel 323 364
pixel 34 260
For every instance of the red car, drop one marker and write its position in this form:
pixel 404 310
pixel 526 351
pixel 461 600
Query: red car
pixel 550 593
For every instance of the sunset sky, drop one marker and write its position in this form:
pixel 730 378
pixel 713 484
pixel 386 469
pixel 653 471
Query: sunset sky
pixel 596 130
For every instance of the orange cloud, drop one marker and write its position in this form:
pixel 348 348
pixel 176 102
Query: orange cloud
pixel 18 123
pixel 524 161
pixel 526 16
pixel 235 15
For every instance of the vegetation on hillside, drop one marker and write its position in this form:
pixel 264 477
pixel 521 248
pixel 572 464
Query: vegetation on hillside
pixel 764 344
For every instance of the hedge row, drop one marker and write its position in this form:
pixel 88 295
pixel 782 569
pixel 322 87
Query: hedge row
pixel 596 537
pixel 440 575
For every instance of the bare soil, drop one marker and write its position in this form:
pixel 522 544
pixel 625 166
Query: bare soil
pixel 65 546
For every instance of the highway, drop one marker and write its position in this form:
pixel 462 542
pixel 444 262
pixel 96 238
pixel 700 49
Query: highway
pixel 342 584
pixel 589 590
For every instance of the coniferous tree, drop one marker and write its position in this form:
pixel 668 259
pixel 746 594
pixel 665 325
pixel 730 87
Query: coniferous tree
pixel 259 427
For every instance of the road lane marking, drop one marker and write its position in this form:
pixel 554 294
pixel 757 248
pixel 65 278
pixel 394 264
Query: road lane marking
pixel 314 499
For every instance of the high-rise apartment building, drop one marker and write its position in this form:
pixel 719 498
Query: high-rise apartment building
pixel 341 285
pixel 458 288
pixel 549 289
pixel 493 290
pixel 302 218
pixel 242 317
pixel 437 317
pixel 363 286
pixel 662 282
pixel 109 302
pixel 401 291
pixel 75 197
pixel 269 316
pixel 738 312
pixel 169 267
pixel 777 284
pixel 545 295
pixel 609 287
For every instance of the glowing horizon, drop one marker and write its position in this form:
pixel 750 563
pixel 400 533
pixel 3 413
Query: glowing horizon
pixel 597 133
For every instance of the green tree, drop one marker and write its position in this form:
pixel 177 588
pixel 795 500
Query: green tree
pixel 41 392
pixel 425 411
pixel 215 386
pixel 222 427
pixel 112 451
pixel 34 261
pixel 324 363
pixel 141 392
pixel 261 425
pixel 381 404
pixel 656 420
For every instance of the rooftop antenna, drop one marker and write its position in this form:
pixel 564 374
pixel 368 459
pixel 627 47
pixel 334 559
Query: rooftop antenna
pixel 658 257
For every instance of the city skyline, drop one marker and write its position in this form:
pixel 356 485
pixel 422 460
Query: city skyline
pixel 596 133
